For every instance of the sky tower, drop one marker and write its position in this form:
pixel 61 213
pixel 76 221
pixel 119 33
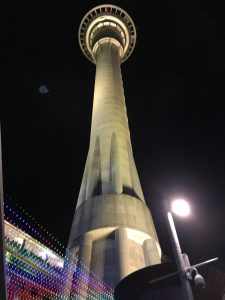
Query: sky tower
pixel 112 231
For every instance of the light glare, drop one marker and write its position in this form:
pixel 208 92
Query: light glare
pixel 181 207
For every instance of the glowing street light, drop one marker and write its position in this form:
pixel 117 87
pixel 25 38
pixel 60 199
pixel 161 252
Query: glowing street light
pixel 181 207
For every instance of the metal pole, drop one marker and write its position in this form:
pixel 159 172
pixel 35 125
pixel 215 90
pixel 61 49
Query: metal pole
pixel 3 289
pixel 185 283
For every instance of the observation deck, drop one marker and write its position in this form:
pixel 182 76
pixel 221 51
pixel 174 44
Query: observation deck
pixel 107 23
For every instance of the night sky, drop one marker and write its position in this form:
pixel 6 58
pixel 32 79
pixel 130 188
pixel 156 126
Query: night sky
pixel 174 87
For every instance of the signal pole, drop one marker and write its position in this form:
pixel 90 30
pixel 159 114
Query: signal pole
pixel 3 289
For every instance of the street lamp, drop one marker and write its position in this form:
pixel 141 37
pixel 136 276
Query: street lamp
pixel 181 208
pixel 185 271
pixel 3 287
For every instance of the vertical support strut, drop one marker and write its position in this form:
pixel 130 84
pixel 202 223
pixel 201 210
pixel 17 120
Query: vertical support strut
pixel 122 252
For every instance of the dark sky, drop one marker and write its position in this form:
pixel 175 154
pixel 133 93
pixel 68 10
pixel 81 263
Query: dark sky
pixel 174 86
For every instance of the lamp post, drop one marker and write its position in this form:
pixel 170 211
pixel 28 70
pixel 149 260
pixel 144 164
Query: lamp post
pixel 185 271
pixel 181 208
pixel 3 289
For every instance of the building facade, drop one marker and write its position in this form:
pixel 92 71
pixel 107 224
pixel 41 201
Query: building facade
pixel 33 270
pixel 35 265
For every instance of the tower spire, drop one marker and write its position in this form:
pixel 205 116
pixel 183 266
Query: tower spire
pixel 112 231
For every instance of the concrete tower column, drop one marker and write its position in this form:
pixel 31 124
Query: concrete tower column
pixel 112 227
pixel 85 249
pixel 151 252
pixel 122 251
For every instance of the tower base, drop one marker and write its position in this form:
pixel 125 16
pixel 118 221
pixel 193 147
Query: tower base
pixel 113 236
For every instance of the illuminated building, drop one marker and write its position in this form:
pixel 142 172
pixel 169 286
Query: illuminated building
pixel 112 231
pixel 35 271
pixel 32 268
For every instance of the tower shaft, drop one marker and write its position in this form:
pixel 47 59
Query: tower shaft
pixel 110 165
